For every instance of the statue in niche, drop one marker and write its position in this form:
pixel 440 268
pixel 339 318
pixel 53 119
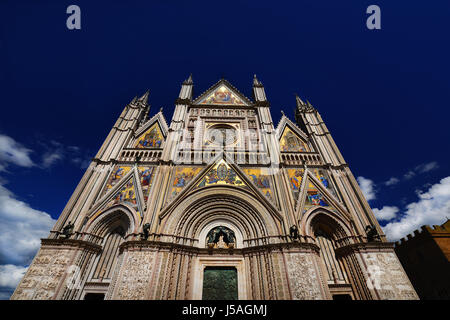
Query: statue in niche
pixel 68 230
pixel 221 237
pixel 372 234
pixel 293 231
pixel 145 233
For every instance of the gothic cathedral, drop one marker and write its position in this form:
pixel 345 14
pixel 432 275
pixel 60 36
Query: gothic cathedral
pixel 220 204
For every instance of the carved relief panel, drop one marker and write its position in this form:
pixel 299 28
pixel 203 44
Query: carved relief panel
pixel 303 277
pixel 385 275
pixel 44 275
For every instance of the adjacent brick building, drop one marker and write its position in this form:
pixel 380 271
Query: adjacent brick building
pixel 425 258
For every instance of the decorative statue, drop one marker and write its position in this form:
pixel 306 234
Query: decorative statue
pixel 68 230
pixel 146 229
pixel 372 234
pixel 293 232
pixel 138 158
pixel 219 236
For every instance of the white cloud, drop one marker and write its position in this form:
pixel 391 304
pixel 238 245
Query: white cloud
pixel 433 207
pixel 422 168
pixel 426 167
pixel 21 228
pixel 49 158
pixel 409 175
pixel 10 275
pixel 367 187
pixel 392 181
pixel 386 213
pixel 13 152
pixel 57 151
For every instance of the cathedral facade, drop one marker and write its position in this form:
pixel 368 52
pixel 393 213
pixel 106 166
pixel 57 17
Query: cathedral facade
pixel 220 204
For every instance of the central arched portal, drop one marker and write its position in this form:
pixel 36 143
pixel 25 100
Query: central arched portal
pixel 223 221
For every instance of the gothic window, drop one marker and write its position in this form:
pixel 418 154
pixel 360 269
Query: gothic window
pixel 221 237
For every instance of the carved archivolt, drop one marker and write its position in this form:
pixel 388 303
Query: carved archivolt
pixel 109 220
pixel 245 214
pixel 338 225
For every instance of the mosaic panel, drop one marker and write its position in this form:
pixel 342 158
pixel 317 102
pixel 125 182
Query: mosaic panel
pixel 222 96
pixel 291 142
pixel 182 176
pixel 261 180
pixel 295 181
pixel 221 173
pixel 152 138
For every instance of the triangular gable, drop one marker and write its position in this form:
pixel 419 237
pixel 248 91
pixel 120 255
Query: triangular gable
pixel 152 138
pixel 291 142
pixel 284 122
pixel 131 189
pixel 223 93
pixel 315 194
pixel 221 174
pixel 261 180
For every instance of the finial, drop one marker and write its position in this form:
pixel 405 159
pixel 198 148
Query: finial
pixel 144 97
pixel 189 80
pixel 161 109
pixel 256 81
pixel 282 112
pixel 299 101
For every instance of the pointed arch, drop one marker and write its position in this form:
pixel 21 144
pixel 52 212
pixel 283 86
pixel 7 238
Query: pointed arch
pixel 120 215
pixel 338 225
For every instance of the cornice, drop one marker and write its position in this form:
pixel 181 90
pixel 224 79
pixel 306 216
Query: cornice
pixel 365 247
pixel 143 245
pixel 72 243
pixel 262 104
pixel 183 101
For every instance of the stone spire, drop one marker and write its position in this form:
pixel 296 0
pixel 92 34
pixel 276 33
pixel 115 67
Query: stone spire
pixel 302 106
pixel 186 91
pixel 258 92
pixel 188 81
pixel 256 82
pixel 144 98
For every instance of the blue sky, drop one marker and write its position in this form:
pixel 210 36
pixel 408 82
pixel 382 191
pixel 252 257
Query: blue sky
pixel 382 93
